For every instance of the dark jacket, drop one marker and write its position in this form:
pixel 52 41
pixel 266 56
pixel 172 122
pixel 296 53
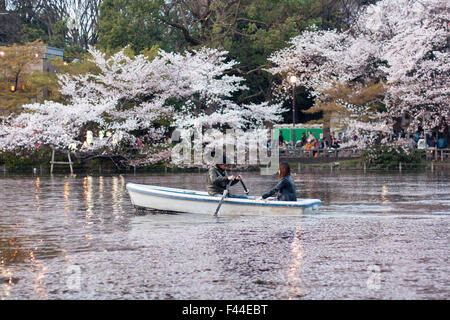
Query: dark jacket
pixel 217 181
pixel 442 143
pixel 285 190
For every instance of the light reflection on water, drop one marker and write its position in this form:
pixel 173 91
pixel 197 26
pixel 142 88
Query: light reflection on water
pixel 295 266
pixel 397 222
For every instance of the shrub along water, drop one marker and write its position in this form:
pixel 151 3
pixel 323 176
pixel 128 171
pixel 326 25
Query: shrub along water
pixel 382 156
pixel 25 160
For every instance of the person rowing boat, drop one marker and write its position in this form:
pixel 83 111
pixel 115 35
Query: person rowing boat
pixel 218 179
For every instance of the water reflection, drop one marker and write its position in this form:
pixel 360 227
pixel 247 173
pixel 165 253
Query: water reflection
pixel 308 186
pixel 114 194
pixel 38 204
pixel 384 199
pixel 100 199
pixel 88 198
pixel 295 268
pixel 39 269
pixel 48 224
pixel 11 253
pixel 118 190
pixel 66 196
pixel 7 279
pixel 29 241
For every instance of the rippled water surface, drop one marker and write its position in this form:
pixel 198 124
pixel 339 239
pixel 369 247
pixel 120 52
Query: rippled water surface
pixel 376 236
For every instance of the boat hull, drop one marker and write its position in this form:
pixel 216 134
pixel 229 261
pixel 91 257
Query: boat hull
pixel 190 201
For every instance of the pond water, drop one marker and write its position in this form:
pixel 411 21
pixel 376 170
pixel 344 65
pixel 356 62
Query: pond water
pixel 378 235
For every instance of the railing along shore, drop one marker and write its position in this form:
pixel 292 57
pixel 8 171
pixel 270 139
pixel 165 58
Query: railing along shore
pixel 318 155
pixel 313 155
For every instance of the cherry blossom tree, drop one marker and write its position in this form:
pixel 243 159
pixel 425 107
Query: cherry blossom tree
pixel 49 123
pixel 401 43
pixel 137 100
pixel 319 58
pixel 325 62
pixel 414 37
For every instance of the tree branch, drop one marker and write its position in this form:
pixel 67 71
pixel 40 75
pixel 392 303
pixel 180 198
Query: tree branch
pixel 250 96
pixel 185 31
pixel 252 21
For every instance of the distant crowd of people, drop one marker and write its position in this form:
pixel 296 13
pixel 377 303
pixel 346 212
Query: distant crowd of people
pixel 421 140
pixel 309 141
pixel 427 140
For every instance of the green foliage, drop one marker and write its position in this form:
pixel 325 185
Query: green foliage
pixel 72 52
pixel 383 156
pixel 131 23
pixel 58 38
pixel 25 160
pixel 22 79
pixel 14 163
pixel 80 66
pixel 264 27
pixel 32 32
pixel 349 163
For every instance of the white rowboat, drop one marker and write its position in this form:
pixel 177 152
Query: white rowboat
pixel 191 201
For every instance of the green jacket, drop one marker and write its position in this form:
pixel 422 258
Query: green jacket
pixel 217 181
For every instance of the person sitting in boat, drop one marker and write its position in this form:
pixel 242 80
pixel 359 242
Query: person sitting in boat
pixel 218 178
pixel 285 189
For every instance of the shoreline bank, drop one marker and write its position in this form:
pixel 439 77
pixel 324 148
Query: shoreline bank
pixel 105 168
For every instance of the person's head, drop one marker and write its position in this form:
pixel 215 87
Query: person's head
pixel 222 165
pixel 284 170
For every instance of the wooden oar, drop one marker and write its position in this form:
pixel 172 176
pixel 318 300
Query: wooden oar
pixel 225 194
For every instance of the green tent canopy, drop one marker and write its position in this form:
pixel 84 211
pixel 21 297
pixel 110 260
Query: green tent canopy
pixel 287 131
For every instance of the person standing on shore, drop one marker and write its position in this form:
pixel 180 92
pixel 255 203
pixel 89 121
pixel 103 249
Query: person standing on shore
pixel 304 140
